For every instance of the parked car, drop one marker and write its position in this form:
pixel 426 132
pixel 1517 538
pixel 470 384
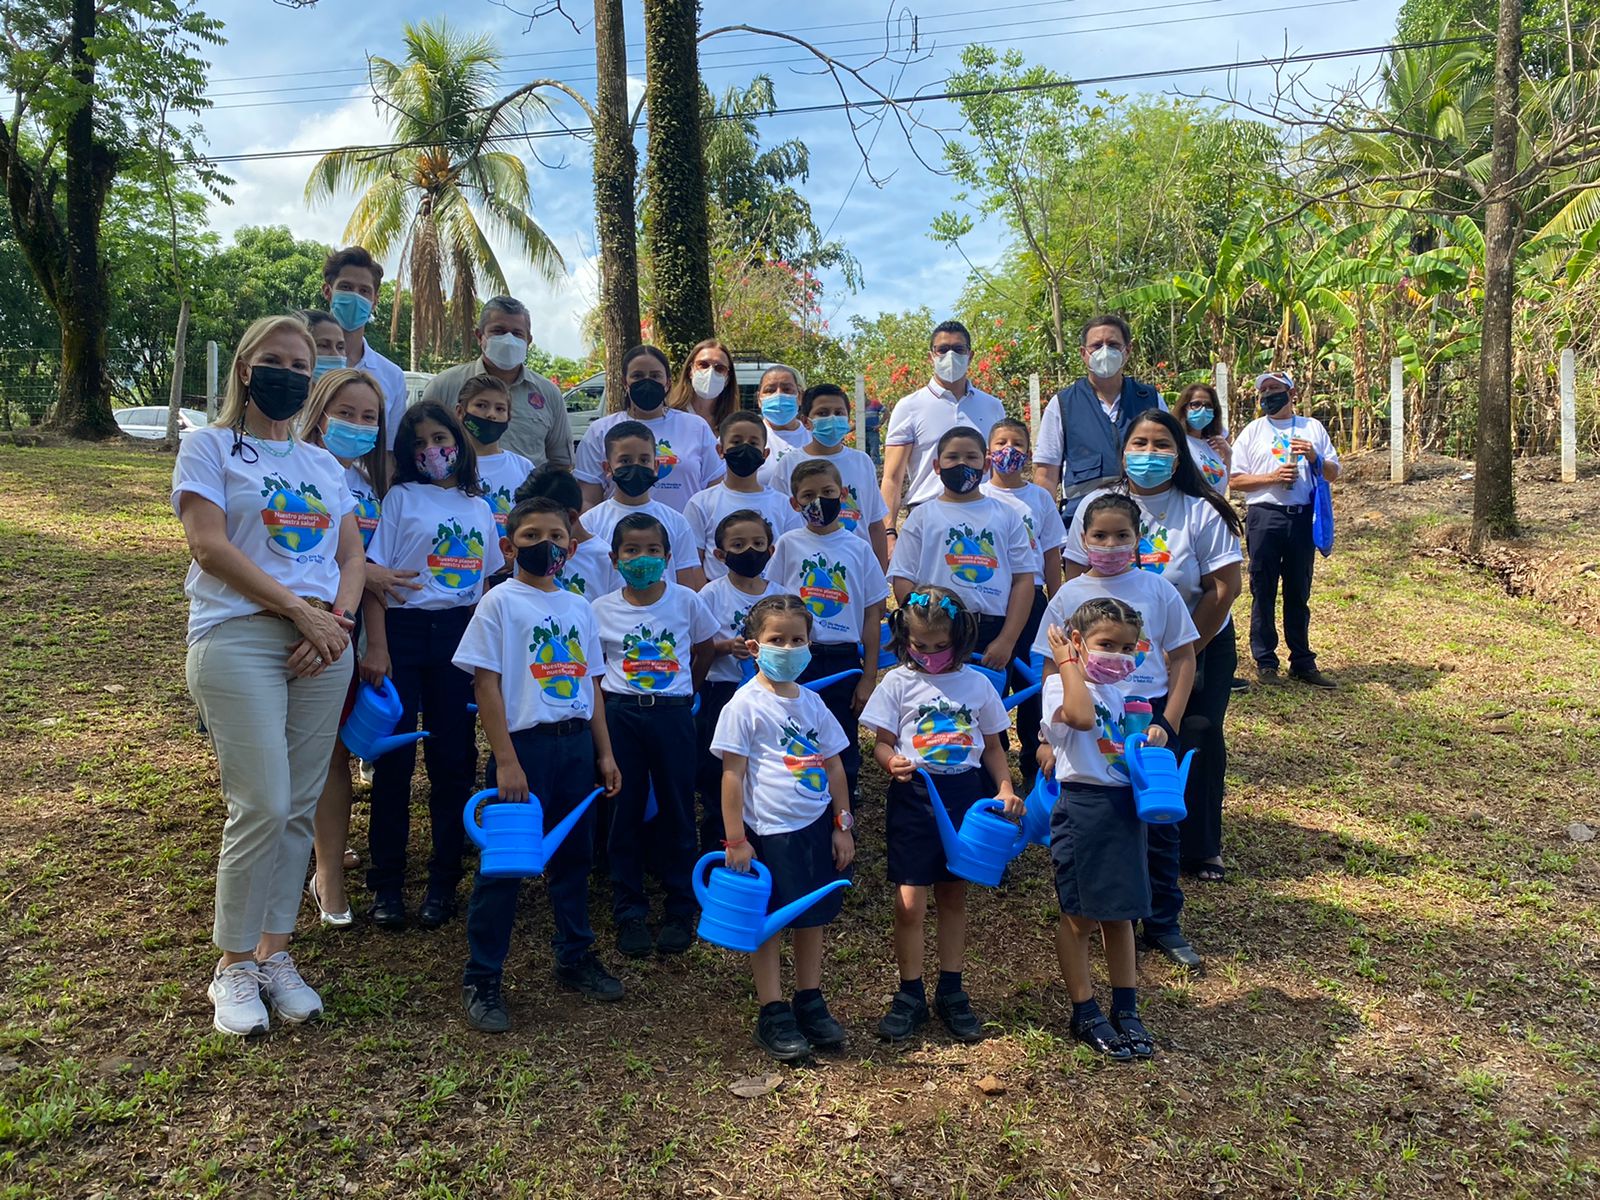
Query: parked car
pixel 587 400
pixel 149 422
pixel 416 384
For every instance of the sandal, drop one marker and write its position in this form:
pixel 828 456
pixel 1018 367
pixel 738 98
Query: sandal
pixel 1134 1035
pixel 352 860
pixel 1102 1037
pixel 1211 872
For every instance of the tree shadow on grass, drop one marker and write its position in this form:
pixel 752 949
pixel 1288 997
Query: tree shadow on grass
pixel 1266 846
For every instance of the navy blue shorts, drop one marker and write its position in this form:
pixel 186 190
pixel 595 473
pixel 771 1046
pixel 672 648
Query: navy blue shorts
pixel 1098 846
pixel 801 861
pixel 915 853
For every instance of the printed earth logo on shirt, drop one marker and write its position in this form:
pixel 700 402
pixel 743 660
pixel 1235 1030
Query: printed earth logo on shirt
pixel 649 659
pixel 457 559
pixel 500 505
pixel 1027 523
pixel 824 586
pixel 574 583
pixel 1109 740
pixel 803 759
pixel 558 663
pixel 295 517
pixel 970 554
pixel 1213 472
pixel 666 459
pixel 1153 553
pixel 368 510
pixel 849 509
pixel 944 733
pixel 1280 449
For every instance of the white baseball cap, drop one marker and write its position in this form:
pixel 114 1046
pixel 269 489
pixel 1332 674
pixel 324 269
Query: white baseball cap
pixel 1282 377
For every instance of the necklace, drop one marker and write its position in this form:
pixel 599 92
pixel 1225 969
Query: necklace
pixel 267 446
pixel 1159 518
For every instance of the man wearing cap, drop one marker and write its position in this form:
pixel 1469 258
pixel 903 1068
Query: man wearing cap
pixel 1272 464
pixel 539 429
pixel 1079 447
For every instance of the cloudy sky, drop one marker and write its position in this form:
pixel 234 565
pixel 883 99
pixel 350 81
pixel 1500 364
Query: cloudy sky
pixel 292 80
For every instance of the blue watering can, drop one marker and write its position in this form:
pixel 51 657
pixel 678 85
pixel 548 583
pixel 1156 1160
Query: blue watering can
pixel 369 729
pixel 512 841
pixel 998 679
pixel 986 844
pixel 747 667
pixel 1041 804
pixel 1158 781
pixel 733 905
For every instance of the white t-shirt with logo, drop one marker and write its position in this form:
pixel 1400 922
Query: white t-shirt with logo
pixel 860 500
pixel 1166 623
pixel 648 647
pixel 282 513
pixel 1212 465
pixel 786 743
pixel 1086 755
pixel 779 439
pixel 939 721
pixel 975 549
pixel 686 454
pixel 588 571
pixel 502 474
pixel 546 647
pixel 837 576
pixel 707 509
pixel 730 607
pixel 396 399
pixel 1040 517
pixel 443 534
pixel 1263 447
pixel 601 521
pixel 1181 538
pixel 926 415
pixel 368 506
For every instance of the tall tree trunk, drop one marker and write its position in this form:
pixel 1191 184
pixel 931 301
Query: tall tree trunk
pixel 1057 332
pixel 83 406
pixel 1494 505
pixel 677 226
pixel 175 399
pixel 616 168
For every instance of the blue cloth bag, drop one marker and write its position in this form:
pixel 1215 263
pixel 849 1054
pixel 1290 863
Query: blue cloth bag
pixel 1321 510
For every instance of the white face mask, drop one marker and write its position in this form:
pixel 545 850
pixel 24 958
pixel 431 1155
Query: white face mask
pixel 505 350
pixel 1106 361
pixel 707 383
pixel 951 366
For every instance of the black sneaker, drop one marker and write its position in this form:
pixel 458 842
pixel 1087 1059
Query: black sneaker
pixel 779 1035
pixel 1239 685
pixel 674 937
pixel 633 938
pixel 1315 678
pixel 486 1011
pixel 955 1010
pixel 436 909
pixel 389 911
pixel 905 1016
pixel 589 977
pixel 818 1025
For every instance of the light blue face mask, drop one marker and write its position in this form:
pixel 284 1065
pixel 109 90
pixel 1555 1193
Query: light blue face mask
pixel 351 309
pixel 346 439
pixel 326 363
pixel 1198 418
pixel 783 664
pixel 1150 470
pixel 780 407
pixel 830 431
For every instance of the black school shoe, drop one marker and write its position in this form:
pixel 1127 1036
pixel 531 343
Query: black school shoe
pixel 955 1010
pixel 1101 1036
pixel 633 938
pixel 485 1009
pixel 1175 948
pixel 817 1024
pixel 1315 678
pixel 905 1016
pixel 389 911
pixel 437 908
pixel 590 978
pixel 675 936
pixel 1134 1035
pixel 778 1033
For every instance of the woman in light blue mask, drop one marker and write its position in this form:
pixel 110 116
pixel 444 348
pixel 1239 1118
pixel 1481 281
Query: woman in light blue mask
pixel 778 395
pixel 1201 413
pixel 329 337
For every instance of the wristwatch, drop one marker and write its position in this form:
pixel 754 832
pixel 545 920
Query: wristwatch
pixel 845 820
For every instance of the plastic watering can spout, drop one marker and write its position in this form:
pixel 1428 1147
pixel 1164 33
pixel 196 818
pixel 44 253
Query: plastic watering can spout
pixel 786 915
pixel 368 732
pixel 733 904
pixel 827 681
pixel 553 839
pixel 383 745
pixel 1183 771
pixel 947 831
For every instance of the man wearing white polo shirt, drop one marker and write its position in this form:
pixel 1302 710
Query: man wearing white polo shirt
pixel 919 420
pixel 350 281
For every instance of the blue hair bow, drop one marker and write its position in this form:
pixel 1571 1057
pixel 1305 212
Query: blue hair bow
pixel 923 600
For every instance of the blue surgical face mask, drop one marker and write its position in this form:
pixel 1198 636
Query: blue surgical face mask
pixel 783 664
pixel 326 363
pixel 351 309
pixel 346 439
pixel 1198 418
pixel 1150 470
pixel 830 431
pixel 780 407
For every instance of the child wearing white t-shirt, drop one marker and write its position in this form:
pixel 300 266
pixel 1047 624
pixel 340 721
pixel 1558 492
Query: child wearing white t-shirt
pixel 786 805
pixel 531 650
pixel 742 445
pixel 630 465
pixel 484 409
pixel 587 571
pixel 826 412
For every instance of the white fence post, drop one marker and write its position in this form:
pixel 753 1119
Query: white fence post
pixel 861 412
pixel 1397 421
pixel 211 381
pixel 1219 375
pixel 1033 405
pixel 1569 417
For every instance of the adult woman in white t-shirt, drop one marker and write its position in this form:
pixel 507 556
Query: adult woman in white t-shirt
pixel 1189 535
pixel 1201 413
pixel 278 570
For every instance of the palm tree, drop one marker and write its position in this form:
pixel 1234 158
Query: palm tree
pixel 433 190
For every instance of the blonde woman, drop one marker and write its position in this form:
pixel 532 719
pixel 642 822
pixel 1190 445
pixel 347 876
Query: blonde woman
pixel 277 572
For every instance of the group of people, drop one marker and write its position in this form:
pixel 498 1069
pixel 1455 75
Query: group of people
pixel 678 581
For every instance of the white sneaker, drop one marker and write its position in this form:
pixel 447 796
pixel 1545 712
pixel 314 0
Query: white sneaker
pixel 236 997
pixel 290 996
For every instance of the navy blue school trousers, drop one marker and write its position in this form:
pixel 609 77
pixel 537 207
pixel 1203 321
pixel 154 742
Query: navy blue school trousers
pixel 652 740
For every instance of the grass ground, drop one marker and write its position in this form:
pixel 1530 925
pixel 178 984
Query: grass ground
pixel 1403 994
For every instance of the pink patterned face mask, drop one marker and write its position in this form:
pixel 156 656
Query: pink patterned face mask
pixel 1104 666
pixel 1111 560
pixel 936 663
pixel 436 462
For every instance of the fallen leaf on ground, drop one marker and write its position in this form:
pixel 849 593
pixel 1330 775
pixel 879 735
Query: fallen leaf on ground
pixel 752 1086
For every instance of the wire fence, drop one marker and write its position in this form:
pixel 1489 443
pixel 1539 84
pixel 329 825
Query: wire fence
pixel 29 377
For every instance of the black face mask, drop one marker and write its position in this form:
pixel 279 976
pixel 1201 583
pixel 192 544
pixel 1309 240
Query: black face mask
pixel 960 479
pixel 744 460
pixel 278 392
pixel 541 559
pixel 647 395
pixel 1273 402
pixel 486 431
pixel 748 563
pixel 634 480
pixel 822 512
